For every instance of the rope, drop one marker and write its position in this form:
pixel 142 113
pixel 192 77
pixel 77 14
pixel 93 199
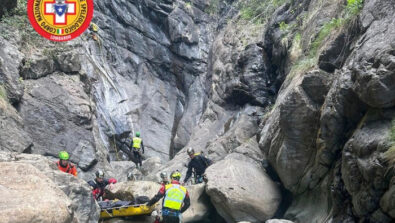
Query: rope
pixel 101 56
pixel 101 69
pixel 104 72
pixel 130 120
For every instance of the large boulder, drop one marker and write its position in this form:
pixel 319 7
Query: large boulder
pixel 130 190
pixel 123 168
pixel 242 191
pixel 59 190
pixel 288 135
pixel 29 196
pixel 150 164
pixel 200 204
pixel 250 149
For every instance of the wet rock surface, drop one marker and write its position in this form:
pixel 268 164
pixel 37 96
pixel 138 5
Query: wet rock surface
pixel 313 104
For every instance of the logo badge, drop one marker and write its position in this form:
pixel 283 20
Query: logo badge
pixel 60 20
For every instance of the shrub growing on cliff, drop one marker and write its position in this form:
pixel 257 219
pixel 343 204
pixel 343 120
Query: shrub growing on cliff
pixel 326 29
pixel 354 7
pixel 16 21
pixel 212 7
pixel 16 17
pixel 20 9
pixel 283 26
pixel 3 92
pixel 389 155
pixel 258 11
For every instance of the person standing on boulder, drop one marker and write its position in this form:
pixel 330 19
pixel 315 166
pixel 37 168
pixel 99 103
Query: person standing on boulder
pixel 137 146
pixel 99 184
pixel 198 164
pixel 64 165
pixel 176 199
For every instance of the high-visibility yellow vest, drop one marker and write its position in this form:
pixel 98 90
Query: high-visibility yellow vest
pixel 136 142
pixel 174 197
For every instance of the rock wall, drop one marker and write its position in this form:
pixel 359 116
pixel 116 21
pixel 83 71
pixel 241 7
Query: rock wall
pixel 320 138
pixel 305 87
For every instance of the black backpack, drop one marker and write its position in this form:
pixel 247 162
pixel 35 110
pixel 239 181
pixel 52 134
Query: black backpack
pixel 207 162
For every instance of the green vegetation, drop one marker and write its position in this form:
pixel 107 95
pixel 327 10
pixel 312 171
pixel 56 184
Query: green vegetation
pixel 50 52
pixel 212 7
pixel 392 132
pixel 297 38
pixel 389 155
pixel 20 9
pixel 326 29
pixel 258 11
pixel 353 7
pixel 268 110
pixel 283 26
pixel 307 62
pixel 188 5
pixel 26 63
pixel 303 65
pixel 16 21
pixel 3 92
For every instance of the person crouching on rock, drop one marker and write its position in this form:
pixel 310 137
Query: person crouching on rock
pixel 176 199
pixel 64 165
pixel 99 185
pixel 198 164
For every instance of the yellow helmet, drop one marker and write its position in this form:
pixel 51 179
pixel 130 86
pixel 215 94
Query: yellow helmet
pixel 175 175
